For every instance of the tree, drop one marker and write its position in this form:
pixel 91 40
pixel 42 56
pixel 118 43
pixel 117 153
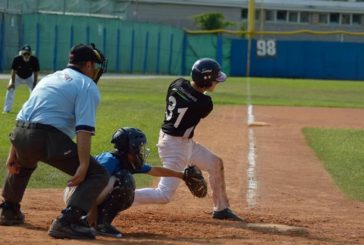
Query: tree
pixel 211 21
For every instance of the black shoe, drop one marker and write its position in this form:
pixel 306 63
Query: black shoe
pixel 10 214
pixel 226 214
pixel 61 230
pixel 108 230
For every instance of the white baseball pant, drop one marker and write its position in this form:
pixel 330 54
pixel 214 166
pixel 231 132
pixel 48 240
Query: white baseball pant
pixel 176 153
pixel 9 97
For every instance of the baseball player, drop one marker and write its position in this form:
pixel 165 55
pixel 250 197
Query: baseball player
pixel 127 158
pixel 24 70
pixel 61 106
pixel 186 104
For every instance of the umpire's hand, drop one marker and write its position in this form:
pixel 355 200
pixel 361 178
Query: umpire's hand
pixel 79 176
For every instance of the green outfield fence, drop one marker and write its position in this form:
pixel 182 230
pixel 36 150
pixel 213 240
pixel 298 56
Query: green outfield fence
pixel 130 47
pixel 144 48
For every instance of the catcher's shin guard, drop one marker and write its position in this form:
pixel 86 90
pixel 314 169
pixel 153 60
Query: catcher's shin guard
pixel 119 199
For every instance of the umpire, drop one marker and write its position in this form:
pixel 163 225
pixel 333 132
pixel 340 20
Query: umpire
pixel 61 106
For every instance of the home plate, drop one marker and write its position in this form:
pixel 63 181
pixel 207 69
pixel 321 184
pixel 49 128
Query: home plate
pixel 276 228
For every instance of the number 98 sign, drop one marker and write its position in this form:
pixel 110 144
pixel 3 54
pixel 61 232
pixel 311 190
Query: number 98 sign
pixel 266 48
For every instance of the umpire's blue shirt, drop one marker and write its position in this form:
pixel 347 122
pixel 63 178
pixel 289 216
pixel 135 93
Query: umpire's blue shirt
pixel 66 100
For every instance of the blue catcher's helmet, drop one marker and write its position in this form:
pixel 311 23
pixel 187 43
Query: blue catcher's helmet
pixel 131 140
pixel 205 71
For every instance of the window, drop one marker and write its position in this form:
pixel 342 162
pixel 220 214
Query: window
pixel 345 19
pixel 293 16
pixel 334 18
pixel 281 15
pixel 304 17
pixel 269 15
pixel 323 18
pixel 244 14
pixel 356 19
pixel 257 14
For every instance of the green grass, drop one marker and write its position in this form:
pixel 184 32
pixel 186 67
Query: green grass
pixel 297 92
pixel 140 103
pixel 341 152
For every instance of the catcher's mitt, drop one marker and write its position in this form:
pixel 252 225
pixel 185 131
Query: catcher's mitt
pixel 195 181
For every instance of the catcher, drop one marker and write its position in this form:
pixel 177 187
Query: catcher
pixel 126 159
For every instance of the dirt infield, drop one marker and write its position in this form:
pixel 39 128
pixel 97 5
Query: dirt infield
pixel 293 189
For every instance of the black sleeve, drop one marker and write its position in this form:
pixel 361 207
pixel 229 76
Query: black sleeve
pixel 209 108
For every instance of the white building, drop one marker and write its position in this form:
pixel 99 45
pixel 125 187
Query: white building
pixel 271 15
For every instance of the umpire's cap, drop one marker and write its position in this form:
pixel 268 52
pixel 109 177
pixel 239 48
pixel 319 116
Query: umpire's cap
pixel 83 52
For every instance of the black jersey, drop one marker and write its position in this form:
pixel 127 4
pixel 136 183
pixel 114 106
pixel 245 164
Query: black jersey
pixel 25 69
pixel 185 107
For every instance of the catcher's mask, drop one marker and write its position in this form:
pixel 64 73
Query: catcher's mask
pixel 205 71
pixel 81 53
pixel 131 140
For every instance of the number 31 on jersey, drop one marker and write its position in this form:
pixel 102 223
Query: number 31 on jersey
pixel 171 108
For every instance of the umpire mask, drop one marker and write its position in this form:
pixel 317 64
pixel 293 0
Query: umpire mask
pixel 100 62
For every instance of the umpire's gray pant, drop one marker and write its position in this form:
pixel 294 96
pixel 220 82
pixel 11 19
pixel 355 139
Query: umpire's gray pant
pixel 35 142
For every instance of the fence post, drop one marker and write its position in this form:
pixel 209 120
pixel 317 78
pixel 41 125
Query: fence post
pixel 104 41
pixel 145 63
pixel 87 35
pixel 2 34
pixel 72 36
pixel 184 51
pixel 55 48
pixel 219 55
pixel 21 34
pixel 158 52
pixel 37 39
pixel 117 62
pixel 131 68
pixel 170 54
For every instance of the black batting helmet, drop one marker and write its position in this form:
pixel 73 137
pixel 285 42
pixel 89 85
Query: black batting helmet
pixel 131 140
pixel 205 71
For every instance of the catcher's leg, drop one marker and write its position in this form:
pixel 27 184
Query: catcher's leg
pixel 120 198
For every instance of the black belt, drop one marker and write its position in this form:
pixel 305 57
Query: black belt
pixel 30 125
